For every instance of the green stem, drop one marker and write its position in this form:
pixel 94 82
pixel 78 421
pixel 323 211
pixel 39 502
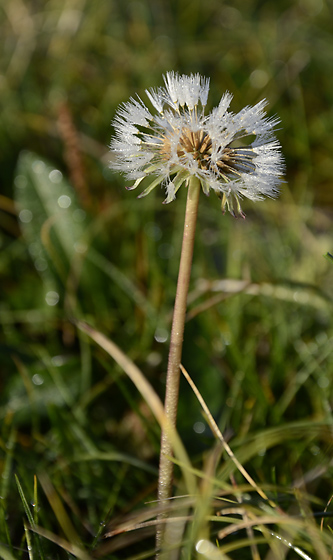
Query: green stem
pixel 176 345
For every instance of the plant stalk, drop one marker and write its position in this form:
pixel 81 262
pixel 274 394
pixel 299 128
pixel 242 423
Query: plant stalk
pixel 176 345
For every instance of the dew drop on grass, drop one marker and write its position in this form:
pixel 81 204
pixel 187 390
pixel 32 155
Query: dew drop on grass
pixel 52 298
pixel 154 359
pixel 57 361
pixel 37 379
pixel 207 549
pixel 199 427
pixel 161 334
pixel 80 247
pixel 55 176
pixel 25 216
pixel 315 450
pixel 259 78
pixel 38 166
pixel 64 201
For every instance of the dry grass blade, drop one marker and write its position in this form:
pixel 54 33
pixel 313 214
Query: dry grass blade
pixel 146 516
pixel 288 544
pixel 249 530
pixel 129 368
pixel 307 294
pixel 258 521
pixel 150 396
pixel 58 508
pixel 325 510
pixel 151 523
pixel 72 548
pixel 215 429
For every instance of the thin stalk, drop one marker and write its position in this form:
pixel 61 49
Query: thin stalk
pixel 176 345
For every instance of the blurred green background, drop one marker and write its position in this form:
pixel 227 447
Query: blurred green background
pixel 75 244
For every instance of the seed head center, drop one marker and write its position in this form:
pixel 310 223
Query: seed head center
pixel 198 144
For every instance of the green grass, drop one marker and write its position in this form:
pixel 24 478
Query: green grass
pixel 79 442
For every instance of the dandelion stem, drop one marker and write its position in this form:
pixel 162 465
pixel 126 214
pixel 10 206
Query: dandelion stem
pixel 176 345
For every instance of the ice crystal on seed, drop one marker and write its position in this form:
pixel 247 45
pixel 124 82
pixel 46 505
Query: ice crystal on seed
pixel 234 154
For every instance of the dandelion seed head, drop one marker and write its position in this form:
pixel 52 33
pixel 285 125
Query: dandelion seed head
pixel 234 154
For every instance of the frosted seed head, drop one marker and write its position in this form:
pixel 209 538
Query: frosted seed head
pixel 234 154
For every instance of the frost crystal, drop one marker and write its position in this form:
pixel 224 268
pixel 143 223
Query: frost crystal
pixel 235 154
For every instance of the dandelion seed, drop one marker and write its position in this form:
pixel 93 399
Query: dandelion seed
pixel 234 154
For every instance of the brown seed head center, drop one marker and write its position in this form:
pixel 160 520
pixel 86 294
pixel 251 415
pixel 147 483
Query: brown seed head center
pixel 199 145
